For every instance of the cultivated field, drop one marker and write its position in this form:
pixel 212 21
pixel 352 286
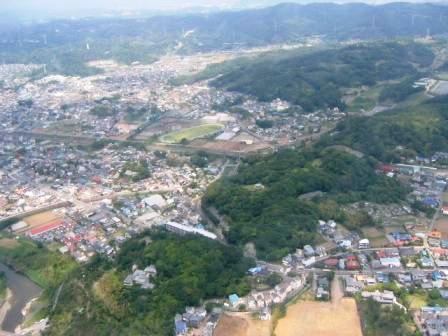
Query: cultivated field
pixel 336 318
pixel 191 133
pixel 242 324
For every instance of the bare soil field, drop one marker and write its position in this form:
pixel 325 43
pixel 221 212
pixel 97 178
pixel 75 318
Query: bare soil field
pixel 41 219
pixel 321 318
pixel 442 226
pixel 8 243
pixel 230 146
pixel 336 318
pixel 242 324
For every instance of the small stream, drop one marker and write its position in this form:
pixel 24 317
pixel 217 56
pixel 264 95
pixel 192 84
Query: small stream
pixel 23 291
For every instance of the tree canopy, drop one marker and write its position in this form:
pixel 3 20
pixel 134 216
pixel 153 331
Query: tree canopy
pixel 262 203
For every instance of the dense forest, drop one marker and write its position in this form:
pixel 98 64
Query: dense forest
pixel 399 92
pixel 316 80
pixel 190 269
pixel 262 204
pixel 380 320
pixel 389 136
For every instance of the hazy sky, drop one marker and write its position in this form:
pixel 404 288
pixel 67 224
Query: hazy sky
pixel 67 5
pixel 49 7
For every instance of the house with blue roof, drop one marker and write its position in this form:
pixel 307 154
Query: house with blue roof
pixel 430 201
pixel 234 300
pixel 426 262
pixel 180 327
pixel 444 243
pixel 436 275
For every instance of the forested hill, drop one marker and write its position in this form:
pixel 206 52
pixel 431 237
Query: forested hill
pixel 392 135
pixel 262 202
pixel 316 80
pixel 94 301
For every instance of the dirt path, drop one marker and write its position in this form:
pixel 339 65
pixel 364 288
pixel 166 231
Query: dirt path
pixel 336 291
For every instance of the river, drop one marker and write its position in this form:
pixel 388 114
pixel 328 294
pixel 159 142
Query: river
pixel 23 291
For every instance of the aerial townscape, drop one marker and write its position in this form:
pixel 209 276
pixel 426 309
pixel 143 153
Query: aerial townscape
pixel 223 168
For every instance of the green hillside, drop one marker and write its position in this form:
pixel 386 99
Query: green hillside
pixel 317 79
pixel 416 130
pixel 94 302
pixel 261 203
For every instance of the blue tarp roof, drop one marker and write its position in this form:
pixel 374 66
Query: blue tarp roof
pixel 233 298
pixel 181 327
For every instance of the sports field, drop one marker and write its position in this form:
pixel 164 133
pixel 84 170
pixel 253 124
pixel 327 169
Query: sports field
pixel 191 133
pixel 42 218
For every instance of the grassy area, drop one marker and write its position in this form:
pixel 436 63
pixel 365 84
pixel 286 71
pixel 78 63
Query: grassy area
pixel 366 100
pixel 417 300
pixel 3 286
pixel 191 133
pixel 362 103
pixel 376 236
pixel 67 127
pixel 419 130
pixel 442 76
pixel 47 269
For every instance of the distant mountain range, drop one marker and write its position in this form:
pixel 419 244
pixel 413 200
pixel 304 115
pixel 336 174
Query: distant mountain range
pixel 44 9
pixel 284 23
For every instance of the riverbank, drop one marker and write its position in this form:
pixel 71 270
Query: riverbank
pixel 5 306
pixel 21 292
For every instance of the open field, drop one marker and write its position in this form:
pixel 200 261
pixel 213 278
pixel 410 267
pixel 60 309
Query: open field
pixel 191 133
pixel 376 236
pixel 65 127
pixel 8 243
pixel 442 76
pixel 242 324
pixel 366 100
pixel 237 144
pixel 441 88
pixel 417 301
pixel 442 226
pixel 336 318
pixel 41 219
pixel 321 318
pixel 163 126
